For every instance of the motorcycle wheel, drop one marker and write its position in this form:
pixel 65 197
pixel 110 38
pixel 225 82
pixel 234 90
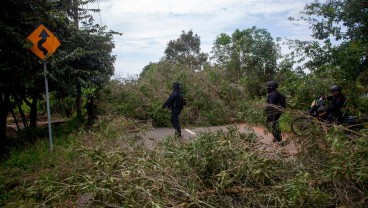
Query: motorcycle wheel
pixel 302 126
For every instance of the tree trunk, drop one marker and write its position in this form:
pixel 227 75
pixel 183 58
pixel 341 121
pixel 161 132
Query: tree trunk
pixel 4 107
pixel 33 113
pixel 79 101
pixel 15 119
pixel 23 116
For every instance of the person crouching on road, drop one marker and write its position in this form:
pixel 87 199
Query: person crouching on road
pixel 172 104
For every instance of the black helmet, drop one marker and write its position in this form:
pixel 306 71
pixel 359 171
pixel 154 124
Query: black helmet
pixel 272 85
pixel 176 85
pixel 335 88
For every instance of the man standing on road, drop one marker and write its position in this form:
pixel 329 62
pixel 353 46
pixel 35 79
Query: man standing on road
pixel 91 110
pixel 175 104
pixel 275 106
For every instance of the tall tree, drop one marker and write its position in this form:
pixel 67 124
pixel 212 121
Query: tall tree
pixel 18 66
pixel 250 53
pixel 186 50
pixel 88 42
pixel 86 61
pixel 342 25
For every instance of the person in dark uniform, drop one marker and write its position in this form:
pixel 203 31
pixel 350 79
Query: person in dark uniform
pixel 337 102
pixel 91 110
pixel 172 104
pixel 274 110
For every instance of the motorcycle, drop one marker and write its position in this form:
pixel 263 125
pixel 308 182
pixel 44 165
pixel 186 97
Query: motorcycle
pixel 316 116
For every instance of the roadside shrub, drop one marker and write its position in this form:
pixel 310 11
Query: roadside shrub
pixel 211 100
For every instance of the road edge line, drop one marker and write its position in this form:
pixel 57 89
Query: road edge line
pixel 190 132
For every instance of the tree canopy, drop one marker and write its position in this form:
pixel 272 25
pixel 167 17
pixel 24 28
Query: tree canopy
pixel 83 59
pixel 342 25
pixel 186 50
pixel 250 53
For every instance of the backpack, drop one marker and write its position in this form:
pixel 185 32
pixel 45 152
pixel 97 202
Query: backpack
pixel 180 101
pixel 281 100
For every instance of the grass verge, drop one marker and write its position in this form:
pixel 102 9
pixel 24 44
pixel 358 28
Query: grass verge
pixel 108 167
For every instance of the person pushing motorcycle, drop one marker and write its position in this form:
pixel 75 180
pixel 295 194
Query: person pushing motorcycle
pixel 337 102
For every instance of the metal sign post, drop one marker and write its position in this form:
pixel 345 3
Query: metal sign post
pixel 44 45
pixel 48 104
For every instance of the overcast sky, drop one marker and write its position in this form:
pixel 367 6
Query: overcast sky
pixel 148 25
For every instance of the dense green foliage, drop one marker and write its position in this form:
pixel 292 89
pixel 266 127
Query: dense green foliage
pixel 83 60
pixel 186 50
pixel 211 99
pixel 219 169
pixel 342 26
pixel 250 54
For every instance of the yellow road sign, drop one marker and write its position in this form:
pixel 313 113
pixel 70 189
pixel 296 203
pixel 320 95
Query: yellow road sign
pixel 44 42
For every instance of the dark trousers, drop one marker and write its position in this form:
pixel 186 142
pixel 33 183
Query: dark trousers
pixel 333 115
pixel 175 120
pixel 273 125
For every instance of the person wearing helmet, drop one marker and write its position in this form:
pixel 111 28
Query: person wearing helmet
pixel 172 104
pixel 91 110
pixel 275 104
pixel 337 102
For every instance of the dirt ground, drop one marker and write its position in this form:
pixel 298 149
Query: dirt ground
pixel 12 129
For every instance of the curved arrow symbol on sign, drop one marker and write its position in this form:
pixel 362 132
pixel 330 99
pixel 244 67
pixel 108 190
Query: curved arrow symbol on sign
pixel 44 35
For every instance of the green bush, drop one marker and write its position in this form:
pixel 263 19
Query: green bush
pixel 211 100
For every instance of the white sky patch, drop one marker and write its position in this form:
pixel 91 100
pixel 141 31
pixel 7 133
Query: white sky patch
pixel 148 26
